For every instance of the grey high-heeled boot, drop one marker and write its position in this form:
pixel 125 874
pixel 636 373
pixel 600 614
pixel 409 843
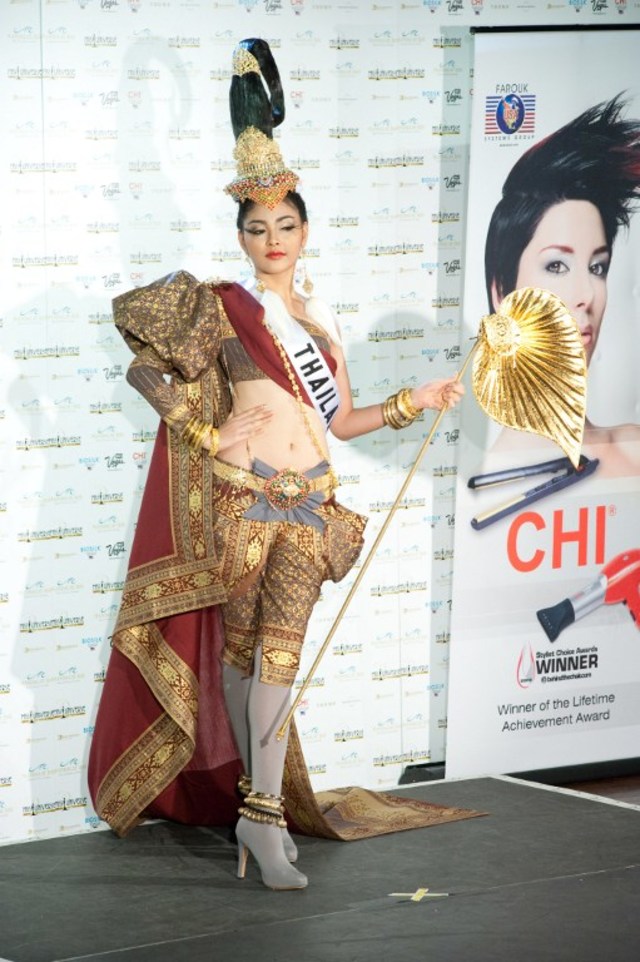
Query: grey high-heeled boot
pixel 260 828
pixel 236 693
pixel 259 831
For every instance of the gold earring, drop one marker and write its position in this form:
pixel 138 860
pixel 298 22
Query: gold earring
pixel 307 283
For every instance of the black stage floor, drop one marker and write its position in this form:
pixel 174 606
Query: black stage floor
pixel 547 876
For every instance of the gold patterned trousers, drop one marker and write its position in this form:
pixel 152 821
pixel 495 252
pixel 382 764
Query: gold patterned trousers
pixel 273 571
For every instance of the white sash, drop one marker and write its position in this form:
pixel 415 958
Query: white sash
pixel 304 354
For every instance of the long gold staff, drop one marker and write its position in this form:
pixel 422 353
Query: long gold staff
pixel 530 374
pixel 374 547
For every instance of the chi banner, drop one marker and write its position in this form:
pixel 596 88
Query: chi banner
pixel 545 632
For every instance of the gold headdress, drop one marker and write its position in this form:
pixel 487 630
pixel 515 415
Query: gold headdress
pixel 262 175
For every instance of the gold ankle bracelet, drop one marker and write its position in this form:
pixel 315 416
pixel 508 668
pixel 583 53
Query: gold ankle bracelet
pixel 265 808
pixel 244 784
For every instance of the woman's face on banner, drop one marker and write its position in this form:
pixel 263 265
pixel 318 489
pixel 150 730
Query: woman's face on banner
pixel 569 256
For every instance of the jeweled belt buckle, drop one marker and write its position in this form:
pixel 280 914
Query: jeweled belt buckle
pixel 286 489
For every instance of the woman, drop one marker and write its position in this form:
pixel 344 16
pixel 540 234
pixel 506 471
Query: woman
pixel 562 205
pixel 239 524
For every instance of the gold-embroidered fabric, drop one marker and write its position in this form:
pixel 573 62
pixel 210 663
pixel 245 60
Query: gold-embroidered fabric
pixel 349 814
pixel 172 681
pixel 240 367
pixel 141 773
pixel 179 317
pixel 273 571
pixel 189 575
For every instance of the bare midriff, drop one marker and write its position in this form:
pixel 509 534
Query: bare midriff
pixel 284 442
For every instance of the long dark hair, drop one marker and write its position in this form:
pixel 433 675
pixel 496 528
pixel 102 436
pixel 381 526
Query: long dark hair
pixel 249 103
pixel 595 157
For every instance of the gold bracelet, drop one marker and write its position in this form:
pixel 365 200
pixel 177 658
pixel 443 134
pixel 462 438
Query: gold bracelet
pixel 214 445
pixel 406 405
pixel 393 415
pixel 203 430
pixel 194 440
pixel 390 414
pixel 195 432
pixel 189 429
pixel 404 414
pixel 385 414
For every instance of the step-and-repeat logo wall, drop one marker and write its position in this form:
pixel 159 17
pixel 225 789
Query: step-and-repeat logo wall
pixel 116 145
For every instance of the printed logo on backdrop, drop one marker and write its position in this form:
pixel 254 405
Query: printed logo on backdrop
pixel 399 73
pixel 413 757
pixel 344 43
pixel 510 113
pixel 445 130
pixel 53 714
pixel 442 42
pixel 55 805
pixel 412 36
pixel 577 4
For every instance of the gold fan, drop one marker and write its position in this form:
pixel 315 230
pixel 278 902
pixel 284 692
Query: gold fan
pixel 529 370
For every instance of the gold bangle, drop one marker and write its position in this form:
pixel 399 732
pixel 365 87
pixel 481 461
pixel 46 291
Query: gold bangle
pixel 190 427
pixel 203 430
pixel 214 445
pixel 399 417
pixel 386 417
pixel 195 432
pixel 406 405
pixel 393 416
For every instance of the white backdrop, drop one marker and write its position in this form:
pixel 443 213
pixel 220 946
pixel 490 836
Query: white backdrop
pixel 115 146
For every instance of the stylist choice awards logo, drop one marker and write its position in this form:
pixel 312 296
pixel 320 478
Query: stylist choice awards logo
pixel 548 666
pixel 510 113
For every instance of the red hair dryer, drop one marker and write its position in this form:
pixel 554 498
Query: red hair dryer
pixel 619 581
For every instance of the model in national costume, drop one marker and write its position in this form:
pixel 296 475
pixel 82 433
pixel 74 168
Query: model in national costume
pixel 238 528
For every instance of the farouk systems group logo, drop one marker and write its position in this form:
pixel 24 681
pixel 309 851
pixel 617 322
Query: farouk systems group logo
pixel 510 113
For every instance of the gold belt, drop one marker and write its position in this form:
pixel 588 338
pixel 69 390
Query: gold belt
pixel 286 489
